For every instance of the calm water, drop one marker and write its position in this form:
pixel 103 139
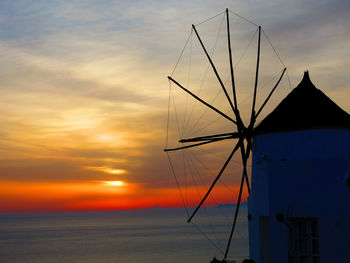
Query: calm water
pixel 155 235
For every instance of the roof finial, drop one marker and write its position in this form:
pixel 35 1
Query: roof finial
pixel 306 77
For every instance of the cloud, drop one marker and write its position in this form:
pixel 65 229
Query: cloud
pixel 105 169
pixel 83 83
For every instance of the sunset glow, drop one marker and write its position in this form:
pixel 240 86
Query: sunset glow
pixel 105 195
pixel 84 96
pixel 106 169
pixel 115 183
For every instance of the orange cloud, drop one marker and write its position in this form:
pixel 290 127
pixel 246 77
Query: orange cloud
pixel 94 195
pixel 106 169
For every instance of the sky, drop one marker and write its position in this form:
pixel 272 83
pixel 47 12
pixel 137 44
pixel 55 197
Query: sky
pixel 84 91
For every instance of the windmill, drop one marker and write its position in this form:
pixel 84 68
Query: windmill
pixel 242 131
pixel 299 206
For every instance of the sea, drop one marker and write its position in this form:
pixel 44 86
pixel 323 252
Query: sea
pixel 149 235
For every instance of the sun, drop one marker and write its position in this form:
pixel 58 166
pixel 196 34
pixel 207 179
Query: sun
pixel 115 183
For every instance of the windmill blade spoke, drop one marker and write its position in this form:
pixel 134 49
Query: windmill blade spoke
pixel 202 101
pixel 269 96
pixel 256 78
pixel 216 179
pixel 230 135
pixel 247 153
pixel 231 64
pixel 194 145
pixel 245 156
pixel 214 68
pixel 236 213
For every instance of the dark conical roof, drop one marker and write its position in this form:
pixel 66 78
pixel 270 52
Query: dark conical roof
pixel 305 108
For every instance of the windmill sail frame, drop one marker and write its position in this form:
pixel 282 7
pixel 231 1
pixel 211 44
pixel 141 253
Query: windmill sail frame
pixel 244 133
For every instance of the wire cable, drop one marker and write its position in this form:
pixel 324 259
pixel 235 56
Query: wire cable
pixel 205 74
pixel 177 183
pixel 206 20
pixel 182 51
pixel 204 208
pixel 245 19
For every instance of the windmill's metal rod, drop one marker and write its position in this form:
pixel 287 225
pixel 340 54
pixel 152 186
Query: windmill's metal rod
pixel 214 68
pixel 256 78
pixel 216 179
pixel 248 150
pixel 268 97
pixel 236 215
pixel 230 56
pixel 240 125
pixel 209 138
pixel 230 135
pixel 202 101
pixel 193 145
pixel 245 156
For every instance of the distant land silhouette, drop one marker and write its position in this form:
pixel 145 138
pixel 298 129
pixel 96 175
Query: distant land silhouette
pixel 226 205
pixel 231 205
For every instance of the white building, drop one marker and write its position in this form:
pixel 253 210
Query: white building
pixel 299 206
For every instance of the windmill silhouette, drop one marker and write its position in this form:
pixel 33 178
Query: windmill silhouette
pixel 243 132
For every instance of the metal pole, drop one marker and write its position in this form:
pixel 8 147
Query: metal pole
pixel 213 66
pixel 230 57
pixel 256 78
pixel 205 103
pixel 216 179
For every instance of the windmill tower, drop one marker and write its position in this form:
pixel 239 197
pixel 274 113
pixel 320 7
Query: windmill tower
pixel 299 209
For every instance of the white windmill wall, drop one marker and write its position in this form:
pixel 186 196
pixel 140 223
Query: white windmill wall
pixel 300 174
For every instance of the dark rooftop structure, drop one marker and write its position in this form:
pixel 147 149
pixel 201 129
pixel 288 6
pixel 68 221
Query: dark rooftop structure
pixel 305 108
